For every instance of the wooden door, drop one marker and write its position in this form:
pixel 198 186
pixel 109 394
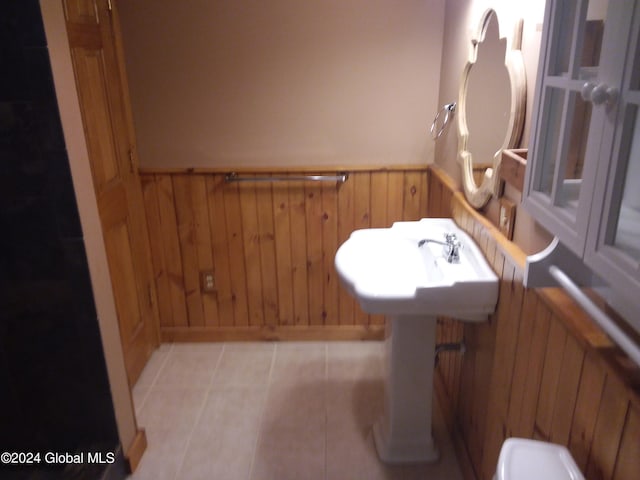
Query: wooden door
pixel 109 135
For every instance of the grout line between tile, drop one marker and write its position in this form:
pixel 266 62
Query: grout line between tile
pixel 326 362
pixel 197 421
pixel 262 413
pixel 164 362
pixel 153 382
pixel 215 369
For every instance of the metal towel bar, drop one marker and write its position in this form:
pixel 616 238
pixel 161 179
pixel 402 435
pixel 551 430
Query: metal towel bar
pixel 340 178
pixel 601 318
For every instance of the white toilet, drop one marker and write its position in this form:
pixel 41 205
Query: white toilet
pixel 524 459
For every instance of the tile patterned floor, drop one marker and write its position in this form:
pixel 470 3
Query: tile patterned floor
pixel 262 411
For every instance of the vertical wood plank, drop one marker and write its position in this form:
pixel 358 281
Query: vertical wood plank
pixel 537 354
pixel 204 248
pixel 362 219
pixel 171 243
pixel 435 196
pixel 313 209
pixel 412 198
pixel 346 225
pixel 283 246
pixel 330 306
pixel 482 375
pixel 454 356
pixel 424 193
pixel 235 242
pixel 221 257
pixel 480 392
pixel 521 363
pixel 395 197
pixel 450 356
pixel 251 246
pixel 483 240
pixel 608 432
pixel 458 366
pixel 299 267
pixel 498 264
pixel 628 462
pixel 186 235
pixel 586 411
pixel 266 245
pixel 567 391
pixel 550 379
pixel 379 200
pixel 362 203
pixel 163 289
pixel 443 324
pixel 465 395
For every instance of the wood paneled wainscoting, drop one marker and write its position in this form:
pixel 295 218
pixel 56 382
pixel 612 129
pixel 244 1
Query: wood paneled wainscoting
pixel 271 246
pixel 538 369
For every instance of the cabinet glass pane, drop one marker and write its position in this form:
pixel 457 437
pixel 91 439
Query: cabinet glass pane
pixel 634 82
pixel 624 234
pixel 627 233
pixel 569 174
pixel 577 55
pixel 580 118
pixel 552 118
pixel 563 158
pixel 561 50
pixel 592 33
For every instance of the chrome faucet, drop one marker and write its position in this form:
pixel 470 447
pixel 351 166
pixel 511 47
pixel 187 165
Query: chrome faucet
pixel 451 247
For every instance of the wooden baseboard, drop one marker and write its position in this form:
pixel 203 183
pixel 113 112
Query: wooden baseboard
pixel 462 455
pixel 134 453
pixel 276 333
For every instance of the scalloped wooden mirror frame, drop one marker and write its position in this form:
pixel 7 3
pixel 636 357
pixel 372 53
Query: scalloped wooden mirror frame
pixel 478 195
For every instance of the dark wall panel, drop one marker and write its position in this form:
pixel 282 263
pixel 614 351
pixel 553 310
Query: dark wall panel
pixel 54 391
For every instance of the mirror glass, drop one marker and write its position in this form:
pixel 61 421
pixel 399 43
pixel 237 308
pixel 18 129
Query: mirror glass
pixel 491 116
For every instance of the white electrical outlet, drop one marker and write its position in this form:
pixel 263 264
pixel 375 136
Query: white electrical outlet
pixel 207 281
pixel 504 221
pixel 506 218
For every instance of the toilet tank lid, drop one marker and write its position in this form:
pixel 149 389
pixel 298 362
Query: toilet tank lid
pixel 524 459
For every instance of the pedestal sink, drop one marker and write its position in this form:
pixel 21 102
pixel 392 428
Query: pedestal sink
pixel 396 272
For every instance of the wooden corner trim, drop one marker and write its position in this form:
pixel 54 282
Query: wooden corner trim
pixel 443 177
pixel 134 453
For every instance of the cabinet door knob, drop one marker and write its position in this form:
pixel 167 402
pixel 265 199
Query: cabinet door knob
pixel 599 93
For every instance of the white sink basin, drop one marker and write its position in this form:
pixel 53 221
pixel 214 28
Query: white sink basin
pixel 391 271
pixel 388 272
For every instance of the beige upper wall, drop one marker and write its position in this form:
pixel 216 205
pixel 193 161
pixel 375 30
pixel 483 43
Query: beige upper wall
pixel 284 82
pixel 461 20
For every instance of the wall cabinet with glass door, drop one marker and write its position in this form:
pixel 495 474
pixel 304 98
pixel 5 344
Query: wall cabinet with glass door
pixel 583 178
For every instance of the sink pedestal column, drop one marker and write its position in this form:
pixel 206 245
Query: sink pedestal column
pixel 403 433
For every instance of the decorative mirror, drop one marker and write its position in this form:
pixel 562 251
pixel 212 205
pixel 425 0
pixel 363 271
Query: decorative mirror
pixel 491 104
